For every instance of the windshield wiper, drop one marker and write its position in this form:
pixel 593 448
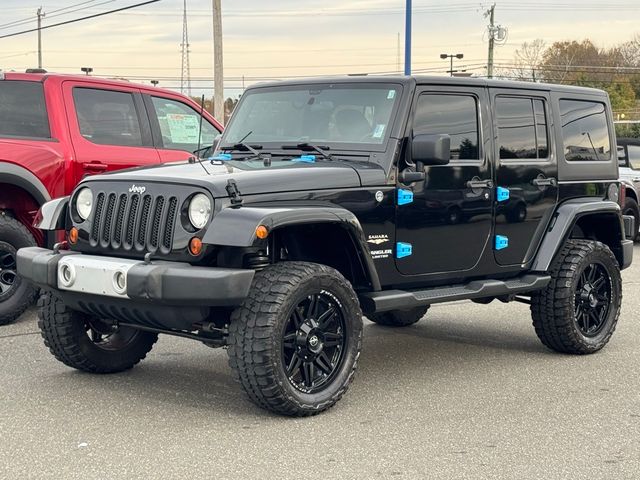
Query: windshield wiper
pixel 310 147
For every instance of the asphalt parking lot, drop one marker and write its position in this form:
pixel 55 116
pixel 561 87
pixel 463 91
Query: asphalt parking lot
pixel 469 392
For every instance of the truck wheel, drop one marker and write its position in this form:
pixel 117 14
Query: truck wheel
pixel 85 343
pixel 578 311
pixel 295 341
pixel 399 318
pixel 15 294
pixel 631 208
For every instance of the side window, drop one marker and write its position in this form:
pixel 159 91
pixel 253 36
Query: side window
pixel 584 130
pixel 180 124
pixel 522 128
pixel 454 115
pixel 107 117
pixel 22 110
pixel 634 156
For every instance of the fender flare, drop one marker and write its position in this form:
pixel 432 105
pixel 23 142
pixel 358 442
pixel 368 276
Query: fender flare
pixel 563 222
pixel 236 227
pixel 52 215
pixel 23 178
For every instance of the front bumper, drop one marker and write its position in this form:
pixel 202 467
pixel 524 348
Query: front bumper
pixel 168 283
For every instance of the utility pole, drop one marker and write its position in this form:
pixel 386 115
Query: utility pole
pixel 40 14
pixel 218 74
pixel 407 39
pixel 491 41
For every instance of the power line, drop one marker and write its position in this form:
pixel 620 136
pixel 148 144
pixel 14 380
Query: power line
pixel 79 19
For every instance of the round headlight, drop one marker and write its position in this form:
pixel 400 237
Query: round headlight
pixel 84 203
pixel 199 210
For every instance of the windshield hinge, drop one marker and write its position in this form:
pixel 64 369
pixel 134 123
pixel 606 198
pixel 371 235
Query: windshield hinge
pixel 234 193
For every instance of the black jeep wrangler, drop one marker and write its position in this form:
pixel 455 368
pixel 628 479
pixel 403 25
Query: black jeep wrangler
pixel 329 198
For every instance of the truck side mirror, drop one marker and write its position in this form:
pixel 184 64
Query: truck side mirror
pixel 431 149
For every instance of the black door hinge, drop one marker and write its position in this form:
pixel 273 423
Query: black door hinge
pixel 234 193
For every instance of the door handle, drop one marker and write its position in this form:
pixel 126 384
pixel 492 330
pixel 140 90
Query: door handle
pixel 544 182
pixel 95 167
pixel 475 183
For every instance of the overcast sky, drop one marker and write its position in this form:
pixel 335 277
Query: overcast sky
pixel 277 38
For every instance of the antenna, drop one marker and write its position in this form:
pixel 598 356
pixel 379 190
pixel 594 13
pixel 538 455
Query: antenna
pixel 200 127
pixel 185 76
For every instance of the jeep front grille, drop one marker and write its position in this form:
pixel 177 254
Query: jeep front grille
pixel 133 221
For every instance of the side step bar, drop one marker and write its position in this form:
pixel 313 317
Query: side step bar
pixel 403 299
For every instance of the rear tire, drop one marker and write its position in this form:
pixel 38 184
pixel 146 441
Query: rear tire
pixel 16 294
pixel 579 309
pixel 85 343
pixel 295 341
pixel 399 318
pixel 631 208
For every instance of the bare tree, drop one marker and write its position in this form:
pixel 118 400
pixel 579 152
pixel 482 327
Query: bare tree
pixel 527 60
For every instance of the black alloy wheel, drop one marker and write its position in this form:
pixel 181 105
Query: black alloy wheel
pixel 313 342
pixel 8 275
pixel 592 299
pixel 108 336
pixel 87 343
pixel 16 294
pixel 294 342
pixel 578 310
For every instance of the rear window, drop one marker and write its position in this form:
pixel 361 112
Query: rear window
pixel 584 131
pixel 22 110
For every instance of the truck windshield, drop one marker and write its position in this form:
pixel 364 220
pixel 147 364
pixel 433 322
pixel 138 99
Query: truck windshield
pixel 348 116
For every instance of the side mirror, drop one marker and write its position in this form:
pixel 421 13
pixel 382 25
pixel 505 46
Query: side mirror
pixel 431 149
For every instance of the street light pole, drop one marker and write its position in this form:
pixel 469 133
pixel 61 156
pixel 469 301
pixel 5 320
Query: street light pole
pixel 407 39
pixel 444 56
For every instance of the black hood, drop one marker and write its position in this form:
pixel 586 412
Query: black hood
pixel 296 177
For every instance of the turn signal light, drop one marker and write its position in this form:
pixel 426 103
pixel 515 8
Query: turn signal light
pixel 73 235
pixel 195 246
pixel 262 232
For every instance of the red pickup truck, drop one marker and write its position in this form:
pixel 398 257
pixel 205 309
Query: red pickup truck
pixel 55 129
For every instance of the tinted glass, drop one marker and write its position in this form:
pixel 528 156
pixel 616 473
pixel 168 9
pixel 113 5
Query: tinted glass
pixel 634 156
pixel 516 128
pixel 584 130
pixel 453 115
pixel 22 110
pixel 107 117
pixel 321 114
pixel 541 129
pixel 180 124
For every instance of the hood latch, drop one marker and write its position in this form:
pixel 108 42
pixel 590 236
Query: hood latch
pixel 234 193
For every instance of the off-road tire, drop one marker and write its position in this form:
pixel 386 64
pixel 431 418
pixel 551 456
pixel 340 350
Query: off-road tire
pixel 631 208
pixel 64 333
pixel 14 235
pixel 398 318
pixel 256 337
pixel 553 308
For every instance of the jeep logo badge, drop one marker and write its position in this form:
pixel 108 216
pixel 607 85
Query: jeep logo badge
pixel 137 189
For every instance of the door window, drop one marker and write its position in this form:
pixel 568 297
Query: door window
pixel 584 131
pixel 453 115
pixel 522 128
pixel 634 156
pixel 107 117
pixel 180 124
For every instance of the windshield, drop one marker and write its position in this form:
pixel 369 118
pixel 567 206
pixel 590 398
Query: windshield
pixel 337 115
